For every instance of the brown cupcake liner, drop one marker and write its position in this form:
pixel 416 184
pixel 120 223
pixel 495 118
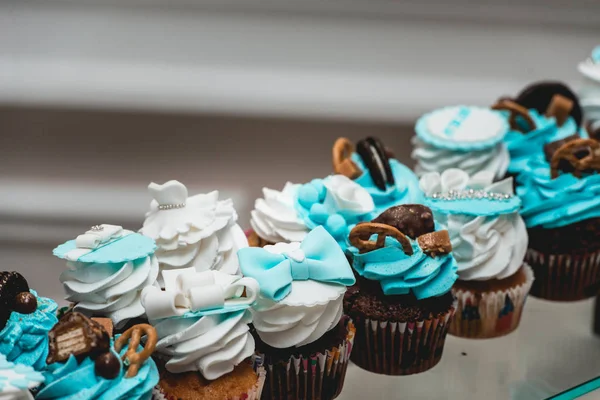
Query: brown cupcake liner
pixel 400 348
pixel 490 314
pixel 253 393
pixel 256 241
pixel 564 277
pixel 318 376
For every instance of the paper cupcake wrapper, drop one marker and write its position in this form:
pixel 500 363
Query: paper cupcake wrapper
pixel 254 240
pixel 318 376
pixel 490 314
pixel 252 394
pixel 564 277
pixel 400 348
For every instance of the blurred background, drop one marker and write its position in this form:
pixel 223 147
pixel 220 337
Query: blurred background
pixel 100 97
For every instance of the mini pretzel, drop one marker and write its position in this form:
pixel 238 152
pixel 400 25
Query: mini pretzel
pixel 342 164
pixel 515 111
pixel 360 234
pixel 567 153
pixel 132 359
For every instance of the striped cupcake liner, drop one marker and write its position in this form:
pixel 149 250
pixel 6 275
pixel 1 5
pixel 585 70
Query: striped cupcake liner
pixel 564 277
pixel 252 394
pixel 318 376
pixel 490 314
pixel 400 348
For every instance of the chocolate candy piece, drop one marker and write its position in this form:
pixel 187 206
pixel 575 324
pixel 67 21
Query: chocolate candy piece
pixel 107 365
pixel 11 284
pixel 435 243
pixel 375 157
pixel 78 335
pixel 550 148
pixel 25 303
pixel 539 96
pixel 413 220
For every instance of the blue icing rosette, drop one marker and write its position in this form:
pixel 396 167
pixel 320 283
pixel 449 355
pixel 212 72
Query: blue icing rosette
pixel 24 339
pixel 526 143
pixel 131 246
pixel 336 203
pixel 462 128
pixel 553 203
pixel 405 189
pixel 399 273
pixel 74 380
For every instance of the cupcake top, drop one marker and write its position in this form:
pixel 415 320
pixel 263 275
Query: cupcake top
pixel 25 319
pixel 488 237
pixel 371 166
pixel 554 113
pixel 274 217
pixel 17 379
pixel 590 67
pixel 465 137
pixel 402 250
pixel 564 191
pixel 335 203
pixel 198 231
pixel 301 288
pixel 108 268
pixel 202 320
pixel 84 362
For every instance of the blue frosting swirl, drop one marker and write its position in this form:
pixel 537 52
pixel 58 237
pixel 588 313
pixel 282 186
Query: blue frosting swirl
pixel 314 211
pixel 400 273
pixel 523 146
pixel 405 190
pixel 73 380
pixel 553 203
pixel 24 339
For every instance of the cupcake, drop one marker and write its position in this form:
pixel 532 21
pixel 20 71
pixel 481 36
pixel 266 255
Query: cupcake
pixel 464 137
pixel 373 167
pixel 561 209
pixel 590 90
pixel 108 267
pixel 300 333
pixel 16 380
pixel 489 242
pixel 198 231
pixel 542 113
pixel 85 363
pixel 337 203
pixel 25 320
pixel 402 305
pixel 204 341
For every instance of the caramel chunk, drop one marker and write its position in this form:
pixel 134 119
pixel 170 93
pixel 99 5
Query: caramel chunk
pixel 435 243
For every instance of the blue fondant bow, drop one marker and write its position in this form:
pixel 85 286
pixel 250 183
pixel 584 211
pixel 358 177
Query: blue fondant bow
pixel 319 258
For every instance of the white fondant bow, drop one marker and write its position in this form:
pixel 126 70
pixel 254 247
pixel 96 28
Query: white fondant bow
pixel 187 290
pixel 98 236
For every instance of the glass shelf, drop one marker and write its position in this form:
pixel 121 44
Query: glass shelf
pixel 553 349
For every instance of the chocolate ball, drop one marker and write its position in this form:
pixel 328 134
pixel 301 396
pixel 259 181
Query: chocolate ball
pixel 413 220
pixel 25 303
pixel 107 365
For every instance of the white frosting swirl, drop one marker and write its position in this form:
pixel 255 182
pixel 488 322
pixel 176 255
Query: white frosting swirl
pixel 347 197
pixel 111 290
pixel 433 159
pixel 212 345
pixel 491 247
pixel 589 95
pixel 274 217
pixel 309 311
pixel 201 232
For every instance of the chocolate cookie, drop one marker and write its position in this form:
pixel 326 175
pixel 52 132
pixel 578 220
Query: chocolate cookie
pixel 375 157
pixel 413 220
pixel 539 96
pixel 11 284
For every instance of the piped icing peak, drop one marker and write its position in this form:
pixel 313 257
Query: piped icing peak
pixel 302 287
pixel 401 264
pixel 193 231
pixel 455 192
pixel 17 379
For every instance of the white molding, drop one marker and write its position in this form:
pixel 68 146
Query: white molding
pixel 354 60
